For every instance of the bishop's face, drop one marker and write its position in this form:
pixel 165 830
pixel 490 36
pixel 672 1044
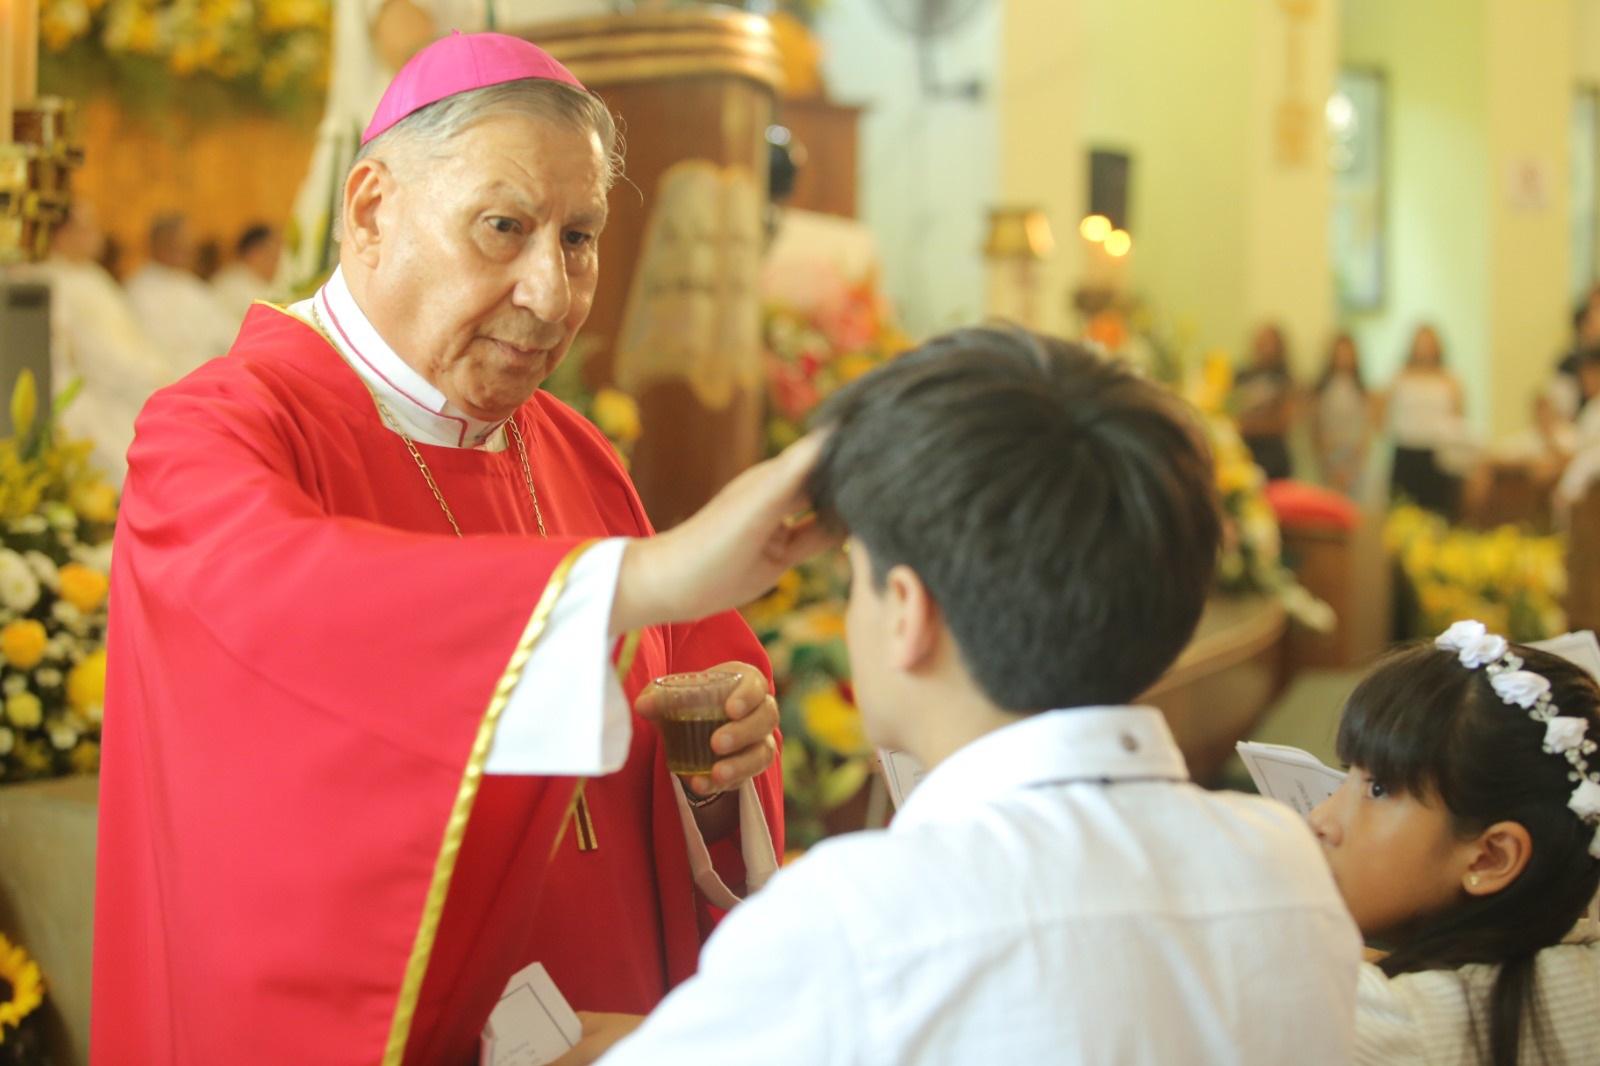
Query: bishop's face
pixel 486 260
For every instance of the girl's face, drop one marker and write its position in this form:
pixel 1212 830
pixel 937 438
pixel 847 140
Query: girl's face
pixel 1394 857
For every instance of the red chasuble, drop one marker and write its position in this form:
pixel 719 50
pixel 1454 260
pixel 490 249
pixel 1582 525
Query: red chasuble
pixel 300 860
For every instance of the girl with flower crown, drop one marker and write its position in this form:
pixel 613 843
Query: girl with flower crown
pixel 1465 841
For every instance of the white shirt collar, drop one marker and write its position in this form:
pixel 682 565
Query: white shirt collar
pixel 1089 744
pixel 422 411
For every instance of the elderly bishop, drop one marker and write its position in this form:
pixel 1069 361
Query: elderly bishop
pixel 372 597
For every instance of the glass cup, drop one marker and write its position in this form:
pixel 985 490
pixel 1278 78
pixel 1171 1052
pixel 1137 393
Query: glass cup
pixel 688 709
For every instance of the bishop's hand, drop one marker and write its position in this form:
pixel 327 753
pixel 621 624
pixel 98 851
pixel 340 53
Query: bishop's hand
pixel 746 745
pixel 729 552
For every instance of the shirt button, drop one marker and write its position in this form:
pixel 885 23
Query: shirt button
pixel 1129 743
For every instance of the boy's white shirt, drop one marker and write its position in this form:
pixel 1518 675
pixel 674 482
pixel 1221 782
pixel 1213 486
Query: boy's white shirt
pixel 1056 891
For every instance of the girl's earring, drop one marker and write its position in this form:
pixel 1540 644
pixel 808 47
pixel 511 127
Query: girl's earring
pixel 1472 880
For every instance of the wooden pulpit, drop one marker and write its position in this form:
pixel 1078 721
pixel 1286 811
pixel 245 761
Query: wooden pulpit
pixel 677 317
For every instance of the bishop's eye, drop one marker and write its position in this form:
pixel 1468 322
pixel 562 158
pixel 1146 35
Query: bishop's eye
pixel 508 226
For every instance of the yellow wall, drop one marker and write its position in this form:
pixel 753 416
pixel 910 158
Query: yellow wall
pixel 1041 158
pixel 1432 53
pixel 1288 276
pixel 1224 234
pixel 1480 92
pixel 1531 81
pixel 1586 41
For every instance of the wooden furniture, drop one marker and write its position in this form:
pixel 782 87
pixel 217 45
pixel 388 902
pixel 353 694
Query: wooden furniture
pixel 825 140
pixel 1224 681
pixel 1508 492
pixel 1583 562
pixel 676 318
pixel 1350 572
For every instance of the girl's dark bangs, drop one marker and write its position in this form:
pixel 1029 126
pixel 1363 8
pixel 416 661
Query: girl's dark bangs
pixel 1398 722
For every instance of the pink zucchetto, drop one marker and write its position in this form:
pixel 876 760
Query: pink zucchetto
pixel 460 63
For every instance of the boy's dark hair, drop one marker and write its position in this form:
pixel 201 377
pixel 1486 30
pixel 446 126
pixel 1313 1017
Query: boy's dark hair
pixel 1059 509
pixel 1425 725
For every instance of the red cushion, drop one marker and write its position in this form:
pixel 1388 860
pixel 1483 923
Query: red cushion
pixel 1300 504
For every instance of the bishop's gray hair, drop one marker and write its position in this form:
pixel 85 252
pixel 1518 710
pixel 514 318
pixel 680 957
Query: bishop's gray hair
pixel 428 132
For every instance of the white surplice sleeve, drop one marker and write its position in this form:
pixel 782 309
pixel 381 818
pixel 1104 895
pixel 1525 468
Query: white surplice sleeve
pixel 568 715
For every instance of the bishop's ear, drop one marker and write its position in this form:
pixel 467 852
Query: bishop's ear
pixel 369 185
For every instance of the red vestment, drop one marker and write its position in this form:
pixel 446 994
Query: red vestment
pixel 301 658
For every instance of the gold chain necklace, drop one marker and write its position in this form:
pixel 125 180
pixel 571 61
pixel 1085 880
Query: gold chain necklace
pixel 422 464
pixel 579 809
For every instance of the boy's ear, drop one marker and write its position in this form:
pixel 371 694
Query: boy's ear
pixel 914 620
pixel 1502 853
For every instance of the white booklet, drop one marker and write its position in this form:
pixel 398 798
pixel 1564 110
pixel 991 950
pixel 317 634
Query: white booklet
pixel 1289 775
pixel 901 772
pixel 1580 648
pixel 532 1025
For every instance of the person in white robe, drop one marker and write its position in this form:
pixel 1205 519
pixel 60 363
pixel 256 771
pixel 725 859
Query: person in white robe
pixel 250 276
pixel 97 339
pixel 176 308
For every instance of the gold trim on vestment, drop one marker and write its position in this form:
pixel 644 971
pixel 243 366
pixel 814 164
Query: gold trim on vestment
pixel 461 811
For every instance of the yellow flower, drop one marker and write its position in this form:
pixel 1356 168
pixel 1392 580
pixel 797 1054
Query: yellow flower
pixel 617 415
pixel 27 987
pixel 815 625
pixel 25 710
pixel 83 587
pixel 851 367
pixel 96 501
pixel 85 758
pixel 833 721
pixel 1237 476
pixel 86 685
pixel 24 403
pixel 22 643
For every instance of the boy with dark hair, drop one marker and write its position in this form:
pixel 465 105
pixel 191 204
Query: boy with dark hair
pixel 1032 535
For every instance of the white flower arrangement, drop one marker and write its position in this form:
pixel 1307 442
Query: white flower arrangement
pixel 1564 735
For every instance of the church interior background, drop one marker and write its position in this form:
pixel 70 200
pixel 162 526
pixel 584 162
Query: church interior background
pixel 1214 191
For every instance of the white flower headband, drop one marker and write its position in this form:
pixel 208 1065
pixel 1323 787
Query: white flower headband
pixel 1564 735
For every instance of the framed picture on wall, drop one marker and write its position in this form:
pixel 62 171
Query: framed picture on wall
pixel 1357 155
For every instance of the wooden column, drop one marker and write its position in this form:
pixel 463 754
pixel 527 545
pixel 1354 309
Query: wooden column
pixel 1583 563
pixel 677 318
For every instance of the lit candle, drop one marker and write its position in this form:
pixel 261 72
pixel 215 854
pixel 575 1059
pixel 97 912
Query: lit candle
pixel 25 41
pixel 6 63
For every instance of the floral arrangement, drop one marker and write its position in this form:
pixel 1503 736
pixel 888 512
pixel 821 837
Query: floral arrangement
pixel 826 757
pixel 192 55
pixel 1251 559
pixel 56 520
pixel 1511 580
pixel 21 994
pixel 810 353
